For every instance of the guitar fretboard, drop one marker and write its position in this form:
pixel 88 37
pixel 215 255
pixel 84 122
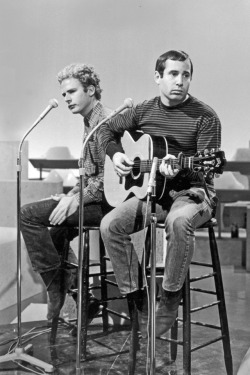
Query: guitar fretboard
pixel 144 166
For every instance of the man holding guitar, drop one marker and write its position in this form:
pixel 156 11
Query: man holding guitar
pixel 188 199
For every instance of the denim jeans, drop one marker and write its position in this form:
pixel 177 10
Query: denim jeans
pixel 45 245
pixel 185 215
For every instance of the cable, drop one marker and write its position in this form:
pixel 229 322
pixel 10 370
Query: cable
pixel 118 354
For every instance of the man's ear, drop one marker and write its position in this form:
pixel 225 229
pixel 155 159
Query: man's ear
pixel 91 90
pixel 157 77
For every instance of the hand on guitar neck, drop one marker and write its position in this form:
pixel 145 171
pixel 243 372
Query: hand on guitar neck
pixel 167 168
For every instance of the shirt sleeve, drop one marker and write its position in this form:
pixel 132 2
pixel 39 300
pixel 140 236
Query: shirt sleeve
pixel 93 190
pixel 209 134
pixel 111 132
pixel 209 137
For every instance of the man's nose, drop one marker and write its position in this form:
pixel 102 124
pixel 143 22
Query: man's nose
pixel 67 98
pixel 179 80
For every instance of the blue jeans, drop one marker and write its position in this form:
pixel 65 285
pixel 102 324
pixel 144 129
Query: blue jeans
pixel 185 215
pixel 45 245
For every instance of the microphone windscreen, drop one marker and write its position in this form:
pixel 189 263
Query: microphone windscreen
pixel 53 103
pixel 128 102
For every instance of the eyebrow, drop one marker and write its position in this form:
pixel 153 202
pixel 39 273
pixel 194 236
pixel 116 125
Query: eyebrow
pixel 177 71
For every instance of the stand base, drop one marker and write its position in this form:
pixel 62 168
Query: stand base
pixel 20 355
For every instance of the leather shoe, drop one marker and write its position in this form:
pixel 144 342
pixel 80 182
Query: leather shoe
pixel 94 308
pixel 57 282
pixel 140 299
pixel 166 311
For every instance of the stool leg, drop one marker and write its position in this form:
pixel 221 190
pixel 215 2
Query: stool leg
pixel 186 327
pixel 221 306
pixel 85 293
pixel 54 323
pixel 173 345
pixel 104 287
pixel 134 341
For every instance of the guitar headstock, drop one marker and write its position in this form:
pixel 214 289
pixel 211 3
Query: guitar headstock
pixel 210 161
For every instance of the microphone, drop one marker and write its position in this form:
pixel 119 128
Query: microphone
pixel 128 103
pixel 53 103
pixel 151 181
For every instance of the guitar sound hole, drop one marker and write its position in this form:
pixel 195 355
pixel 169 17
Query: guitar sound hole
pixel 136 170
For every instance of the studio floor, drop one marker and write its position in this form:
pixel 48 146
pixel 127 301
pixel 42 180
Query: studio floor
pixel 107 354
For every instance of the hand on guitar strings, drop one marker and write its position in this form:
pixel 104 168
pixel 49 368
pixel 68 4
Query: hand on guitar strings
pixel 122 164
pixel 166 166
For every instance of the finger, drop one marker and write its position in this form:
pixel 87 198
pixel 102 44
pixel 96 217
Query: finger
pixel 55 215
pixel 123 172
pixel 58 219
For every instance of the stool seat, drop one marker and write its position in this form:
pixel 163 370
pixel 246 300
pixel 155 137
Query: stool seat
pixel 210 223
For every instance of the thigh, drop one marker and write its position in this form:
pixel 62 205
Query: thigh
pixel 38 212
pixel 197 212
pixel 132 216
pixel 92 216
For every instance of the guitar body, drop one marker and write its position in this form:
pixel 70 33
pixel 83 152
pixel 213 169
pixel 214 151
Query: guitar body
pixel 139 147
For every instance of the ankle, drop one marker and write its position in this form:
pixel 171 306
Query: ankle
pixel 139 297
pixel 168 297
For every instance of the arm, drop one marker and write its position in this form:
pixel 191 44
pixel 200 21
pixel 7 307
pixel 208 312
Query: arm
pixel 209 134
pixel 111 132
pixel 209 137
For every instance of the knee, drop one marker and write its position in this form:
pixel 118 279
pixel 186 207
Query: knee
pixel 109 225
pixel 178 225
pixel 105 227
pixel 25 212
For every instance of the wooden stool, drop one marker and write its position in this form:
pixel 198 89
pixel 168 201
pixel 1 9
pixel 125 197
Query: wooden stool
pixel 187 310
pixel 103 274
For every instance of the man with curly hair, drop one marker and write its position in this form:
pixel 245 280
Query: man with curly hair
pixel 49 225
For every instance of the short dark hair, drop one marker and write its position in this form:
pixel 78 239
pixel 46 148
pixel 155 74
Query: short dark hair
pixel 171 55
pixel 85 74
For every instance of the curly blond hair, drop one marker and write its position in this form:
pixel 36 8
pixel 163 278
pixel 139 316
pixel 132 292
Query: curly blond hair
pixel 85 74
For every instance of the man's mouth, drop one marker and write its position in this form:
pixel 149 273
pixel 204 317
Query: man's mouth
pixel 71 106
pixel 178 92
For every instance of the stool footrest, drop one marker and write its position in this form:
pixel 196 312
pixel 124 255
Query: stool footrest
pixel 201 324
pixel 203 291
pixel 113 299
pixel 193 279
pixel 204 306
pixel 110 282
pixel 207 343
pixel 201 264
pixel 118 314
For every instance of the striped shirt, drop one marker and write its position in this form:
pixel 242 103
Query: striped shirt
pixel 189 127
pixel 94 158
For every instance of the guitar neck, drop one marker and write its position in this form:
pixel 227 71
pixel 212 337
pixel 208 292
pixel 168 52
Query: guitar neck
pixel 146 165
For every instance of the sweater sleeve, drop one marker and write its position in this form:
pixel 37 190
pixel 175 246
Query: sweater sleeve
pixel 111 132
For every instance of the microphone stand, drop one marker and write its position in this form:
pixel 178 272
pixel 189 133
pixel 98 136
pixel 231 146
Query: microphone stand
pixel 127 103
pixel 80 246
pixel 153 223
pixel 19 354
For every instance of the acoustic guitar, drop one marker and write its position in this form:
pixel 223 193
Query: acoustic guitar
pixel 142 148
